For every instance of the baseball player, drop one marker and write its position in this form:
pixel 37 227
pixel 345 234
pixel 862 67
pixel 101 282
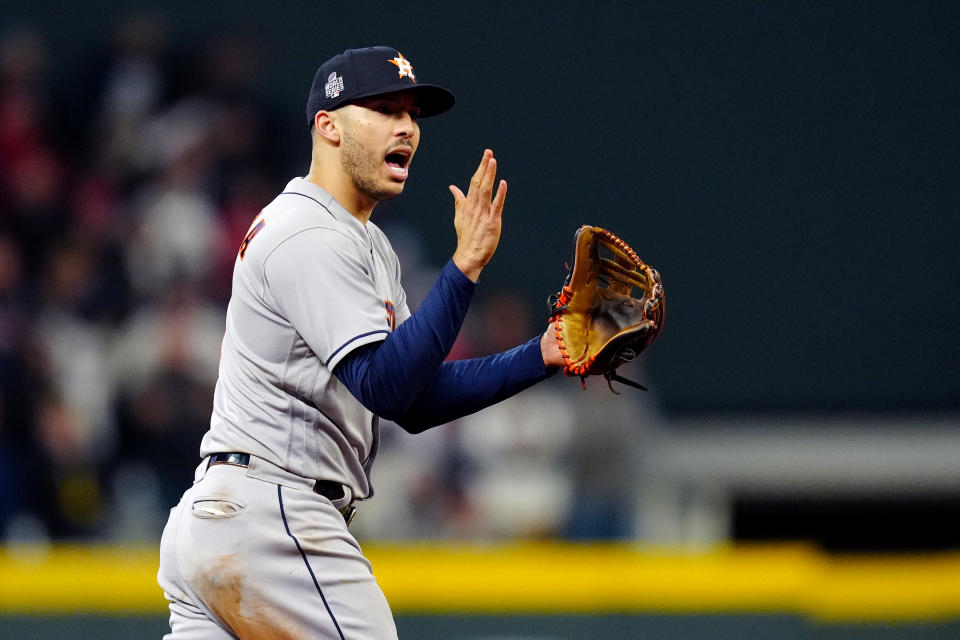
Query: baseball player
pixel 319 345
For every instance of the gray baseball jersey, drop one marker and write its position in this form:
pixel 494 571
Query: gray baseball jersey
pixel 311 283
pixel 252 549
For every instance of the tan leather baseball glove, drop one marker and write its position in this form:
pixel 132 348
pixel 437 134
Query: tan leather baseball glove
pixel 599 323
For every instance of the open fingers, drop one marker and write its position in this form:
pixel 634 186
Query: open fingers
pixel 458 196
pixel 481 184
pixel 486 185
pixel 481 171
pixel 500 198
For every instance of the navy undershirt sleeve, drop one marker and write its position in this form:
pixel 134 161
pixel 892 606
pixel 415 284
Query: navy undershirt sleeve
pixel 388 376
pixel 404 379
pixel 462 387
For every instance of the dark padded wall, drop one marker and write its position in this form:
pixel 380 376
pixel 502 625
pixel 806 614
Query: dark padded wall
pixel 792 168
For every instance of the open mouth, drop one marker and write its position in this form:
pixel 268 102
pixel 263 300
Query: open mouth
pixel 398 162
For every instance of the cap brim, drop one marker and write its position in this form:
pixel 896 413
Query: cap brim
pixel 433 100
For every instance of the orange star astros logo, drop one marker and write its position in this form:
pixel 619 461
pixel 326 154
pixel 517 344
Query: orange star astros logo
pixel 406 69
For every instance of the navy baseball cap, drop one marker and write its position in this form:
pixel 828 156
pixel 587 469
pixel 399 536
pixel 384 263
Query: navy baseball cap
pixel 361 73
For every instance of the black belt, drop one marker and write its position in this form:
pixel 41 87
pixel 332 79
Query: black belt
pixel 329 489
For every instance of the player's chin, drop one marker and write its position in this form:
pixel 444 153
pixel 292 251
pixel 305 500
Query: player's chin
pixel 388 192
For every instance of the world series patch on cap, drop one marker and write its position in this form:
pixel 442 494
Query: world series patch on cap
pixel 373 71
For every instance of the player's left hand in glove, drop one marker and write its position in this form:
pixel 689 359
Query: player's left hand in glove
pixel 598 323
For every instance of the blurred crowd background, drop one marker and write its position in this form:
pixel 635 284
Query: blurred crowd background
pixel 124 194
pixel 791 170
pixel 124 198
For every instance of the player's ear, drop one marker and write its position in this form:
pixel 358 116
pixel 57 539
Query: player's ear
pixel 326 126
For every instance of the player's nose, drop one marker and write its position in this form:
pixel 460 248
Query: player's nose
pixel 407 126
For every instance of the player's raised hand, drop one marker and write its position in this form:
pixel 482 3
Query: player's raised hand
pixel 478 218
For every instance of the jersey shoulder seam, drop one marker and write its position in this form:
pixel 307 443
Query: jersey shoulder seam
pixel 303 195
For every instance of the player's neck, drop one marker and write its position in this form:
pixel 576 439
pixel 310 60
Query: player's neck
pixel 345 192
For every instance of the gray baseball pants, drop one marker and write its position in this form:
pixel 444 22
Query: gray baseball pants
pixel 253 552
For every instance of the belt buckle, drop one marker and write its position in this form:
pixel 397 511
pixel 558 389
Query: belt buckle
pixel 234 459
pixel 348 512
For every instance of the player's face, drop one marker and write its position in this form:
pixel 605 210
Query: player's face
pixel 379 138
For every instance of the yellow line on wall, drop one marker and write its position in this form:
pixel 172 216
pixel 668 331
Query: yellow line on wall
pixel 96 579
pixel 549 578
pixel 562 578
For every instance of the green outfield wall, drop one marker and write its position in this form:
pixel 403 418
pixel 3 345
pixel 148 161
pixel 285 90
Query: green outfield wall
pixel 525 627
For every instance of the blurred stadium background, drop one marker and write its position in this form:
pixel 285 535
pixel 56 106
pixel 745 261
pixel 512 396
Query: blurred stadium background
pixel 791 168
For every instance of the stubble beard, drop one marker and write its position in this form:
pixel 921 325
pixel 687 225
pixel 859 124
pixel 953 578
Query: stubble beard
pixel 362 165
